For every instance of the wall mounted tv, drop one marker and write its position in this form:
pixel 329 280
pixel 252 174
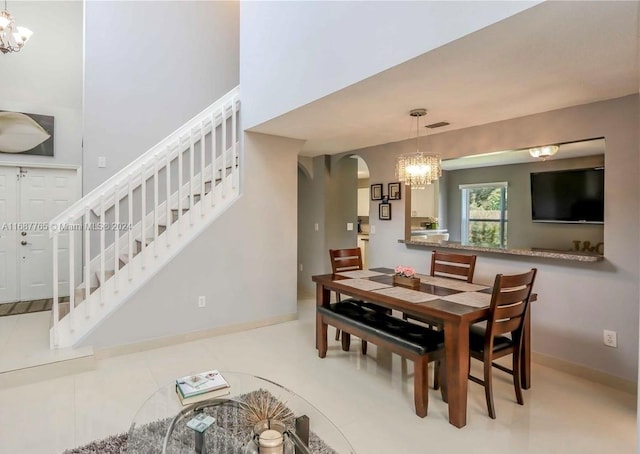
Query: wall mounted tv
pixel 571 196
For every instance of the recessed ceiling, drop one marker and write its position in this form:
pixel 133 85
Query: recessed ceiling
pixel 551 56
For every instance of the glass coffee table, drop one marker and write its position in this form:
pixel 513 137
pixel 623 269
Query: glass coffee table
pixel 160 425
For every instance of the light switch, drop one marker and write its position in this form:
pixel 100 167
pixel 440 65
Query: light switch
pixel 316 227
pixel 349 226
pixel 102 161
pixel 372 229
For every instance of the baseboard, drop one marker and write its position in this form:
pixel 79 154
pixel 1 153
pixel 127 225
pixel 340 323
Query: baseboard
pixel 49 371
pixel 586 373
pixel 191 336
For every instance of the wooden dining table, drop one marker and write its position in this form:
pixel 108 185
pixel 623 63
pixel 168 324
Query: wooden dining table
pixel 444 305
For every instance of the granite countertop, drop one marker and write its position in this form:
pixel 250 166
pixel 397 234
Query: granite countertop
pixel 533 252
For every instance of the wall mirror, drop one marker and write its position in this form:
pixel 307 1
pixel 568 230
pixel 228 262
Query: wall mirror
pixel 512 200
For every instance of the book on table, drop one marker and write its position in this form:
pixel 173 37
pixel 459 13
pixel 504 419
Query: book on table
pixel 202 397
pixel 200 384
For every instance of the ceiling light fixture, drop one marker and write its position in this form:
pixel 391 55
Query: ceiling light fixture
pixel 12 37
pixel 543 152
pixel 418 169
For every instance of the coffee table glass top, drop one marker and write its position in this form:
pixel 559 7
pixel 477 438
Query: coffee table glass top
pixel 160 425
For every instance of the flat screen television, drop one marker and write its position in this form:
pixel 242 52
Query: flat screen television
pixel 572 196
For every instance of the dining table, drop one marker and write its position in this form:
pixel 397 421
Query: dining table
pixel 451 304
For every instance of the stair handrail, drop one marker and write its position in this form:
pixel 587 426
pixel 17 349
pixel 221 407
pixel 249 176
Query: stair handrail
pixel 157 151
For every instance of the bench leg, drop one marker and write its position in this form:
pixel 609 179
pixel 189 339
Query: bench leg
pixel 421 385
pixel 321 336
pixel 346 341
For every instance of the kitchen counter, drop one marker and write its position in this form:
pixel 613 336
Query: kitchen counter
pixel 533 252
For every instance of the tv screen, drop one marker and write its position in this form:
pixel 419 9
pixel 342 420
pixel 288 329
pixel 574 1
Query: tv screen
pixel 575 196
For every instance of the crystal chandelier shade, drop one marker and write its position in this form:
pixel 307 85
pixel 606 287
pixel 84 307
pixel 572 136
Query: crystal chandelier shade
pixel 12 37
pixel 418 169
pixel 543 152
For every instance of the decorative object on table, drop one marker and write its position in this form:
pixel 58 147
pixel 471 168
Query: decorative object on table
pixel 430 223
pixel 201 422
pixel 197 387
pixel 418 169
pixel 395 191
pixel 22 133
pixel 12 36
pixel 376 191
pixel 384 211
pixel 406 277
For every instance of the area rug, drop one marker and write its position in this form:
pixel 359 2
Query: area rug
pixel 25 307
pixel 147 439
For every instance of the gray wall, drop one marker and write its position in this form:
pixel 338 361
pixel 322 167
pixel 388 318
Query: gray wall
pixel 342 203
pixel 522 232
pixel 576 300
pixel 45 77
pixel 149 68
pixel 296 52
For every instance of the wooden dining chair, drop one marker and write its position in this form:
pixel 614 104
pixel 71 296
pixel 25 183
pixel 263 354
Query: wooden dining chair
pixel 502 335
pixel 453 266
pixel 350 260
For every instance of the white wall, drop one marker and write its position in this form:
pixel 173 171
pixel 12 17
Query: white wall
pixel 244 263
pixel 293 53
pixel 45 77
pixel 150 67
pixel 576 300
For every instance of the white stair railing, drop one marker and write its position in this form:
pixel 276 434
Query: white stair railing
pixel 123 230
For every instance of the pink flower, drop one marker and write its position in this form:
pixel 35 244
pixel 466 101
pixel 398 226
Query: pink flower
pixel 405 271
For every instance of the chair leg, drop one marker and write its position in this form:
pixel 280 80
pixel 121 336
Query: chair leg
pixel 421 385
pixel 346 341
pixel 337 334
pixel 436 373
pixel 321 339
pixel 516 376
pixel 364 347
pixel 488 386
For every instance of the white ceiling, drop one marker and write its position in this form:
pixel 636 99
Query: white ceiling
pixel 554 55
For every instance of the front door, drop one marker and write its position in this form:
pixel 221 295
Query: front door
pixel 29 198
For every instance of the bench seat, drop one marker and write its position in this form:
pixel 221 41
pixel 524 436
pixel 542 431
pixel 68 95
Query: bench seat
pixel 409 340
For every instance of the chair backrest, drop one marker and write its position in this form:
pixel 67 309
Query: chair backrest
pixel 509 306
pixel 345 259
pixel 457 266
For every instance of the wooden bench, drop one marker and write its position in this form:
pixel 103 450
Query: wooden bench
pixel 409 340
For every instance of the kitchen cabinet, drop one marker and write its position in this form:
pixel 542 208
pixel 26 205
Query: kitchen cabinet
pixel 424 202
pixel 363 244
pixel 363 202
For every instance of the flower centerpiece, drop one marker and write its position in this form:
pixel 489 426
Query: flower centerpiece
pixel 406 276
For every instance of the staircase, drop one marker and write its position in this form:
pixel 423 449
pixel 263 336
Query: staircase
pixel 112 241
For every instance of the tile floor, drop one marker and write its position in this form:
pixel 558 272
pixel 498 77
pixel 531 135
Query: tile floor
pixel 368 398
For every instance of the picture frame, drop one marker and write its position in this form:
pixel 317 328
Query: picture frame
pixel 395 191
pixel 35 133
pixel 384 211
pixel 376 191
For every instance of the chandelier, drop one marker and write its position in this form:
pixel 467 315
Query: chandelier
pixel 12 37
pixel 543 152
pixel 418 169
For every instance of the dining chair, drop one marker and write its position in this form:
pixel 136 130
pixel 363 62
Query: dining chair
pixel 502 334
pixel 350 260
pixel 453 266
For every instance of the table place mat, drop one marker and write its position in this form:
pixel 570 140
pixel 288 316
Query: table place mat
pixel 450 283
pixel 406 294
pixel 362 284
pixel 474 299
pixel 356 274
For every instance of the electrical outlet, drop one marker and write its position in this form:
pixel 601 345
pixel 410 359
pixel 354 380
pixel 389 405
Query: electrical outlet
pixel 202 301
pixel 349 226
pixel 102 161
pixel 610 338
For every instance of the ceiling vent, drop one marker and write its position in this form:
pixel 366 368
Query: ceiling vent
pixel 440 124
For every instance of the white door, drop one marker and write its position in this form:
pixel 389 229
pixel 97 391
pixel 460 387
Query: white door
pixel 8 234
pixel 43 194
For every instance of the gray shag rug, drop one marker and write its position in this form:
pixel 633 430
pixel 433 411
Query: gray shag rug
pixel 227 436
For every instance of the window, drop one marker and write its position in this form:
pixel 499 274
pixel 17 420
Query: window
pixel 484 214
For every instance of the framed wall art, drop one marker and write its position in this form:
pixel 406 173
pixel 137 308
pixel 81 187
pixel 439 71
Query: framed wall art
pixel 376 191
pixel 384 211
pixel 394 191
pixel 25 133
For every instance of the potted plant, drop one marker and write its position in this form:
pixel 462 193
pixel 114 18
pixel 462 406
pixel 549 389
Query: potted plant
pixel 405 277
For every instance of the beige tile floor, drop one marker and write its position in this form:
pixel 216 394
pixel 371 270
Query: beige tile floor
pixel 368 398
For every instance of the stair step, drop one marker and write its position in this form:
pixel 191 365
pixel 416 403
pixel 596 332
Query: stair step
pixel 174 214
pixel 148 241
pixel 80 293
pixel 108 274
pixel 161 229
